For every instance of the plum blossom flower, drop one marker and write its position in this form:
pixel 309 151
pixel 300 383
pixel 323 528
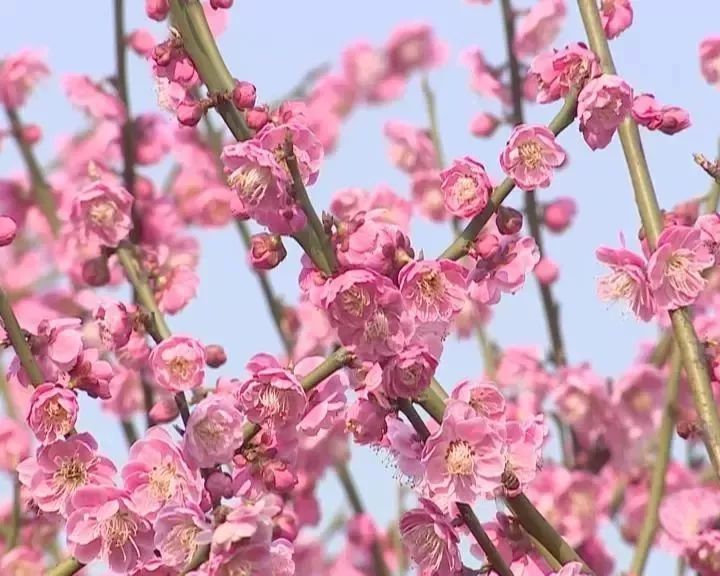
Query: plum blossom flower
pixel 466 187
pixel 428 196
pixel 93 99
pixel 484 80
pixel 22 561
pixel 61 468
pixel 530 155
pixel 408 374
pixel 484 397
pixel 603 104
pixel 627 280
pixel 179 532
pixel 19 74
pixel 411 149
pixel 433 290
pixel 53 412
pixel 307 148
pixel 105 524
pixel 431 540
pixel 539 27
pixel 464 458
pixel 15 440
pixel 710 60
pixel 414 47
pixel 101 213
pixel 114 324
pixel 649 113
pixel 178 363
pixel 675 267
pixel 556 72
pixel 213 432
pixel 616 16
pixel 558 214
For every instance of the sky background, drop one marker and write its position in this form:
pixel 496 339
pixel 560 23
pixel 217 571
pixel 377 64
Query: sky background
pixel 273 42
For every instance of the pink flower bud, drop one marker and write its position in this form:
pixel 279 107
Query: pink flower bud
pixel 243 95
pixel 484 125
pixel 189 112
pixel 114 324
pixel 559 213
pixel 8 230
pixel 266 251
pixel 157 9
pixel 31 134
pixel 164 411
pixel 219 485
pixel 141 42
pixel 509 221
pixel 486 246
pixel 278 477
pixel 546 271
pixel 220 4
pixel 257 117
pixel 215 356
pixel 95 272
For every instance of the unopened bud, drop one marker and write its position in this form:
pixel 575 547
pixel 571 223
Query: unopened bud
pixel 546 271
pixel 509 221
pixel 266 251
pixel 215 355
pixel 221 4
pixel 257 117
pixel 95 272
pixel 243 95
pixel 559 213
pixel 484 125
pixel 31 134
pixel 190 112
pixel 8 230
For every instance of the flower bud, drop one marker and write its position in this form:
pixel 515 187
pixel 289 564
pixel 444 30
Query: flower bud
pixel 190 112
pixel 219 485
pixel 157 9
pixel 509 221
pixel 31 134
pixel 215 355
pixel 546 271
pixel 8 230
pixel 243 95
pixel 486 246
pixel 162 54
pixel 559 213
pixel 164 411
pixel 95 272
pixel 266 251
pixel 257 117
pixel 141 42
pixel 484 125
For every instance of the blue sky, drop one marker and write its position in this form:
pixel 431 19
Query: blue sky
pixel 272 43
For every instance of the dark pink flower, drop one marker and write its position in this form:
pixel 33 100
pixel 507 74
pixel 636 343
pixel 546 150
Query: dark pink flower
pixel 530 156
pixel 431 540
pixel 408 374
pixel 433 290
pixel 603 104
pixel 101 213
pixel 266 251
pixel 466 187
pixel 178 363
pixel 53 412
pixel 8 230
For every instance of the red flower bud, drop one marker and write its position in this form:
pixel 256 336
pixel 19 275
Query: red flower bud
pixel 95 272
pixel 8 230
pixel 257 117
pixel 215 356
pixel 243 95
pixel 266 251
pixel 509 221
pixel 189 112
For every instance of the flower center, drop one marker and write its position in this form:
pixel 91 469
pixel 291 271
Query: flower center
pixel 582 504
pixel 530 154
pixel 118 529
pixel 354 301
pixel 459 458
pixel 411 52
pixel 57 418
pixel 274 401
pixel 427 548
pixel 250 182
pixel 102 213
pixel 182 540
pixel 465 188
pixel 162 481
pixel 180 367
pixel 642 402
pixel 210 432
pixel 72 473
pixel 377 328
pixel 431 285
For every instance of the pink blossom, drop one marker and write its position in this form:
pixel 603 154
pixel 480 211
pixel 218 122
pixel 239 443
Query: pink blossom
pixel 530 155
pixel 93 99
pixel 22 561
pixel 365 419
pixel 649 113
pixel 558 214
pixel 406 445
pixel 556 73
pixel 484 124
pixel 53 412
pixel 637 400
pixel 466 187
pixel 463 458
pixel 408 374
pixel 213 432
pixel 431 540
pixel 15 440
pixel 710 60
pixel 326 401
pixel 368 70
pixel 101 213
pixel 8 230
pixel 156 474
pixel 546 271
pixel 387 206
pixel 616 16
pixel 272 395
pixel 427 194
pixel 105 524
pixel 411 149
pixel 114 324
pixel 483 79
pixel 524 441
pixel 266 251
pixel 686 513
pixel 61 468
pixel 90 374
pixel 602 106
pixel 153 138
pixel 179 531
pixel 348 202
pixel 178 363
pixel 412 47
pixel 19 74
pixel 433 290
pixel 306 147
pixel 675 267
pixel 627 280
pixel 174 279
pixel 539 27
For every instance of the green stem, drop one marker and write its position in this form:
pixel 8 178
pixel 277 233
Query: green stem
pixel 657 484
pixel 17 339
pixel 491 553
pixel 10 407
pixel 431 108
pixel 462 243
pixel 65 568
pixel 16 519
pixel 652 221
pixel 42 191
pixel 129 431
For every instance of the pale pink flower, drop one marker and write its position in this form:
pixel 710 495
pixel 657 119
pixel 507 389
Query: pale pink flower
pixel 174 279
pixel 156 474
pixel 530 155
pixel 648 112
pixel 179 531
pixel 412 47
pixel 153 138
pixel 710 60
pixel 213 432
pixel 616 16
pixel 484 80
pixel 524 443
pixel 104 524
pixel 433 290
pixel 411 149
pixel 556 73
pixel 101 213
pixel 272 395
pixel 602 106
pixel 348 202
pixel 558 214
pixel 484 397
pixel 675 267
pixel 326 401
pixel 368 69
pixel 709 226
pixel 53 412
pixel 466 187
pixel 15 440
pixel 19 74
pixel 463 458
pixel 685 514
pixel 22 561
pixel 93 99
pixel 315 334
pixel 307 148
pixel 539 27
pixel 628 280
pixel 638 399
pixel 431 540
pixel 428 196
pixel 484 124
pixel 408 374
pixel 61 468
pixel 114 323
pixel 178 363
pixel 406 445
pixel 387 206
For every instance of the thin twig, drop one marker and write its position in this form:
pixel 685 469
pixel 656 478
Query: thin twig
pixel 17 339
